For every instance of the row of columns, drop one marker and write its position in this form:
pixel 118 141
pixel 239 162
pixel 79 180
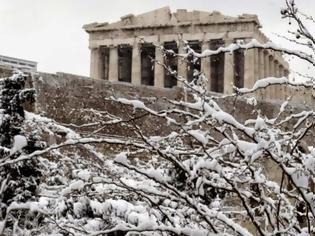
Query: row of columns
pixel 266 65
pixel 96 65
pixel 258 64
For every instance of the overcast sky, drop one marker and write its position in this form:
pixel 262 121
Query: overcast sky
pixel 50 31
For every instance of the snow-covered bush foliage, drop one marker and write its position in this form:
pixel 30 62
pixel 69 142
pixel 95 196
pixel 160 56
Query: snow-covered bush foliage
pixel 19 181
pixel 209 175
pixel 224 176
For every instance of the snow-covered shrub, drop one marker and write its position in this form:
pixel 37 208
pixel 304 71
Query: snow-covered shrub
pixel 19 181
pixel 210 175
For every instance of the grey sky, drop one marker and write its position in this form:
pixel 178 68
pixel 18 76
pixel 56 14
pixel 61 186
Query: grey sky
pixel 50 31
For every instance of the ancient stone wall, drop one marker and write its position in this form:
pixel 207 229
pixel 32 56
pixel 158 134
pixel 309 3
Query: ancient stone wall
pixel 73 99
pixel 78 100
pixel 63 96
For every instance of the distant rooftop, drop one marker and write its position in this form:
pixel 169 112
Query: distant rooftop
pixel 17 63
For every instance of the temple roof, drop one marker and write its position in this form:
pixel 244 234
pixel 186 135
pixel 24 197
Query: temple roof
pixel 163 17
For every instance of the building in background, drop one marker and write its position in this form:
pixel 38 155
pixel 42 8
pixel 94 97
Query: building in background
pixel 19 64
pixel 122 51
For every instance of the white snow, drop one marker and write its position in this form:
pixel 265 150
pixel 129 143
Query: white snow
pixel 263 83
pixel 121 158
pixel 247 148
pixel 251 101
pixel 19 142
pixel 75 185
pixel 84 175
pixel 260 123
pixel 200 135
pixel 94 225
pixel 135 103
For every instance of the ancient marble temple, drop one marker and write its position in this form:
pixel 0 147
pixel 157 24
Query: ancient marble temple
pixel 123 51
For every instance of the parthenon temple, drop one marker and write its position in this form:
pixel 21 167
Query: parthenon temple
pixel 123 51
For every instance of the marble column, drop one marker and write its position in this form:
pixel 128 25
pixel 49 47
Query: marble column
pixel 113 64
pixel 182 64
pixel 256 64
pixel 158 68
pixel 272 74
pixel 266 64
pixel 276 68
pixel 249 68
pixel 205 64
pixel 277 87
pixel 265 71
pixel 95 64
pixel 136 64
pixel 271 66
pixel 261 70
pixel 228 69
pixel 261 61
pixel 280 74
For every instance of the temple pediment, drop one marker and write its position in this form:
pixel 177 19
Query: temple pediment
pixel 163 17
